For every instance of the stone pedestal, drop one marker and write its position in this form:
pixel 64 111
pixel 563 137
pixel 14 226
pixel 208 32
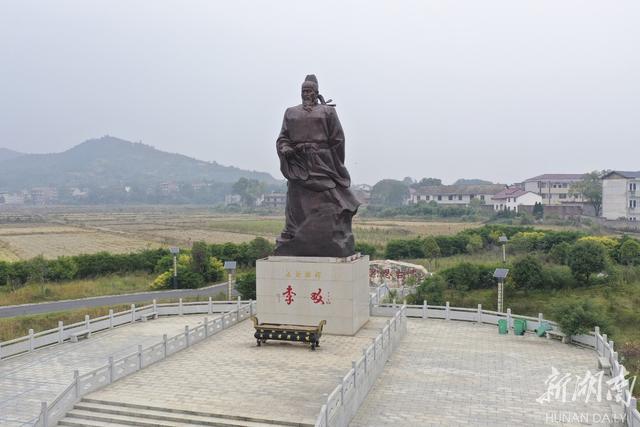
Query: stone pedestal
pixel 306 290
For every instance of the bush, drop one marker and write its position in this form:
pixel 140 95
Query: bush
pixel 465 276
pixel 366 249
pixel 4 273
pixel 558 277
pixel 579 317
pixel 431 290
pixel 527 273
pixel 62 268
pixel 527 241
pixel 404 249
pixel 246 285
pixel 585 258
pixel 452 245
pixel 559 253
pixel 629 252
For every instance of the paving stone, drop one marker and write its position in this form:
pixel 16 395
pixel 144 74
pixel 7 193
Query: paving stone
pixel 450 373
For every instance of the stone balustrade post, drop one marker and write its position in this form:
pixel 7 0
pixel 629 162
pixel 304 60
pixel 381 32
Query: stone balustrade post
pixel 44 413
pixel 133 313
pixel 30 339
pixel 164 345
pixel 206 327
pixel 447 312
pixel 186 334
pixel 139 356
pixel 479 319
pixel 110 318
pixel 353 366
pixel 210 306
pixel 155 306
pixel 509 322
pixel 424 309
pixel 60 331
pixel 180 306
pixel 76 382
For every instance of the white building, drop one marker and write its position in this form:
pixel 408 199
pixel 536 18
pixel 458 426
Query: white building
pixel 455 194
pixel 510 198
pixel 554 188
pixel 620 200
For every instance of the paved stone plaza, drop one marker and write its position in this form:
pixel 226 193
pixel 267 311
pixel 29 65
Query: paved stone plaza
pixel 449 373
pixel 28 379
pixel 229 375
pixel 444 373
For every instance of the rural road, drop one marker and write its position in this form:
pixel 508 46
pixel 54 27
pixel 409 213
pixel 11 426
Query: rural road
pixel 47 307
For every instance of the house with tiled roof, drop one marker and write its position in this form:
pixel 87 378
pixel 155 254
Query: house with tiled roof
pixel 620 198
pixel 511 198
pixel 455 194
pixel 555 188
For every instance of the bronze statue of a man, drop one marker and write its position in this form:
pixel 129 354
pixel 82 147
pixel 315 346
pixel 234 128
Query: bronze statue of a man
pixel 320 205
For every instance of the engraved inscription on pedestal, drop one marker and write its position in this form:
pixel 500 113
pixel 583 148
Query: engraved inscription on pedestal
pixel 306 290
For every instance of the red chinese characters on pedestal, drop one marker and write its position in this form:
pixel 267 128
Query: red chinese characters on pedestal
pixel 288 295
pixel 316 297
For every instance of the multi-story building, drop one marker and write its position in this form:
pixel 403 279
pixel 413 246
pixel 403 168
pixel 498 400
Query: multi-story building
pixel 44 195
pixel 455 194
pixel 511 198
pixel 621 195
pixel 274 200
pixel 555 188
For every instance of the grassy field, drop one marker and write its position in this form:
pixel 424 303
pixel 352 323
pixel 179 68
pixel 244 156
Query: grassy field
pixel 108 285
pixel 70 231
pixel 14 327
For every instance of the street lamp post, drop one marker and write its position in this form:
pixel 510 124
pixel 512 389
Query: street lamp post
pixel 501 274
pixel 503 241
pixel 175 251
pixel 230 266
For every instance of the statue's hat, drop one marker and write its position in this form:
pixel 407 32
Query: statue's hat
pixel 312 79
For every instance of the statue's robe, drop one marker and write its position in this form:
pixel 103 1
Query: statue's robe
pixel 320 205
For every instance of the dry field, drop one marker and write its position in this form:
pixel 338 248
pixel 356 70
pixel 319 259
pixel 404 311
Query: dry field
pixel 54 231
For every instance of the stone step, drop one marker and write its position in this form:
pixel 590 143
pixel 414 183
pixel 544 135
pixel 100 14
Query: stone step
pixel 149 420
pixel 97 410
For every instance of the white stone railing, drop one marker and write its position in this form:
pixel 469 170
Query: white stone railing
pixel 116 369
pixel 345 400
pixel 63 332
pixel 604 348
pixel 599 343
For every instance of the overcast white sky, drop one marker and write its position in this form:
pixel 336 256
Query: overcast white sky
pixel 495 89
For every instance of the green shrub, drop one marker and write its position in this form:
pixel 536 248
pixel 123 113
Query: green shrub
pixel 629 252
pixel 559 253
pixel 246 285
pixel 558 277
pixel 452 245
pixel 466 276
pixel 4 273
pixel 366 249
pixel 579 317
pixel 527 273
pixel 404 249
pixel 62 268
pixel 431 290
pixel 586 258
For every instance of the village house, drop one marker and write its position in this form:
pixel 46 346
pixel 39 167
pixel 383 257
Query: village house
pixel 620 198
pixel 555 188
pixel 274 200
pixel 455 194
pixel 511 198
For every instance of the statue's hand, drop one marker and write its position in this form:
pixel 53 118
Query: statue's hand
pixel 287 151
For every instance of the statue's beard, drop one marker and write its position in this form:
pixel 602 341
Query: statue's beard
pixel 308 104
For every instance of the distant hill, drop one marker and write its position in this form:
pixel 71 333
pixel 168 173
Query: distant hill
pixel 6 154
pixel 109 161
pixel 463 181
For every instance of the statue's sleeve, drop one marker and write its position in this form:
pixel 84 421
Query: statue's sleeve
pixel 336 134
pixel 292 166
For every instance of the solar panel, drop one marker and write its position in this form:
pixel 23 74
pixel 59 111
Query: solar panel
pixel 501 273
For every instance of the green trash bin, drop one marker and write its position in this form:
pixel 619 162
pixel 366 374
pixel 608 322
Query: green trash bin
pixel 542 329
pixel 519 326
pixel 502 326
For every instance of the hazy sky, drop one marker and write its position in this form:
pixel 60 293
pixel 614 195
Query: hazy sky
pixel 495 89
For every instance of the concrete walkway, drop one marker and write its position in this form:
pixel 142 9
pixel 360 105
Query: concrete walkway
pixel 28 379
pixel 230 375
pixel 449 373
